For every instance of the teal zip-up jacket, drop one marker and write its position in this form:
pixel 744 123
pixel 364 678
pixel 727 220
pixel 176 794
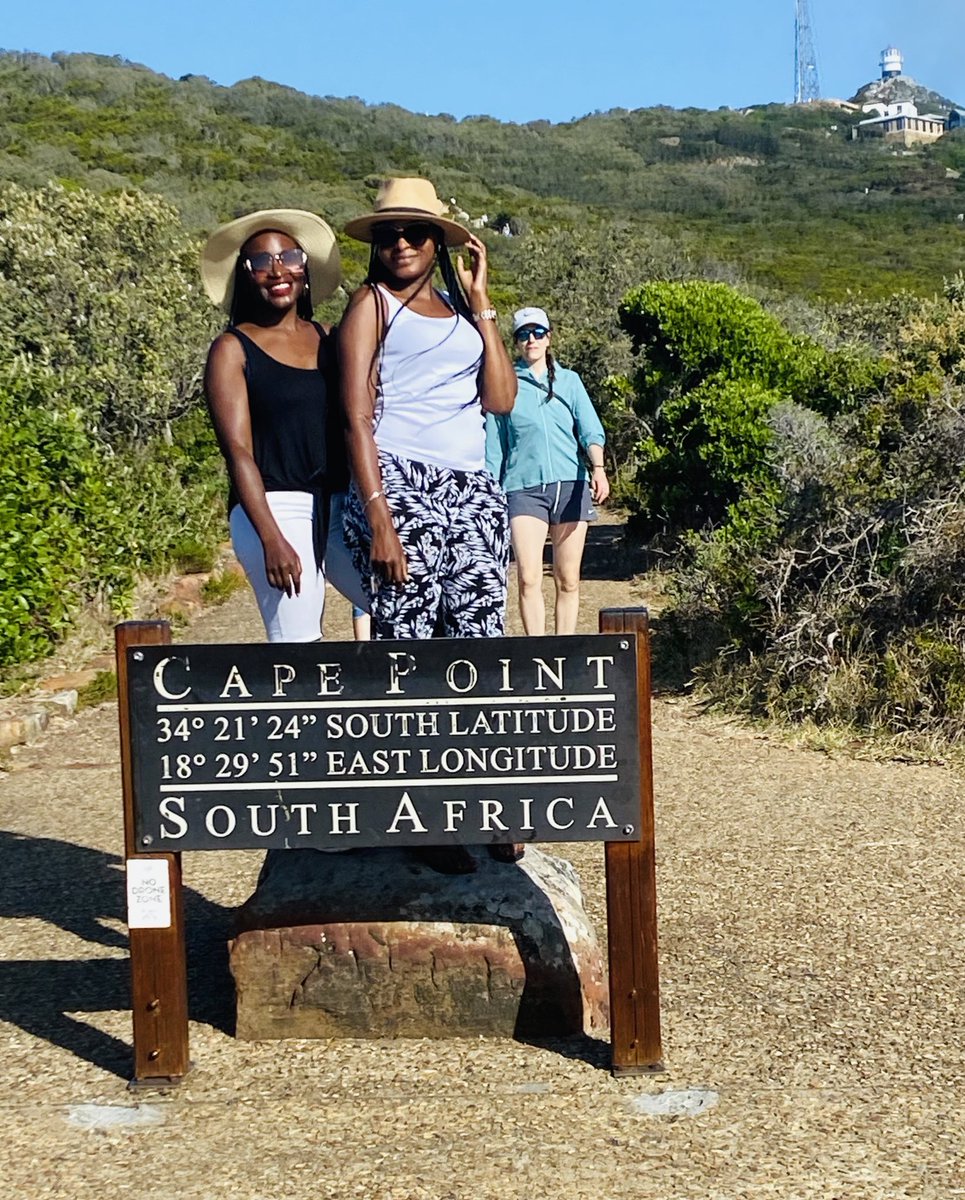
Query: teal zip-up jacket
pixel 543 440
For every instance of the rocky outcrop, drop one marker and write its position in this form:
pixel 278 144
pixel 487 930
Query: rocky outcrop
pixel 375 944
pixel 903 87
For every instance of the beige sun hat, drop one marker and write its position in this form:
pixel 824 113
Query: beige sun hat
pixel 219 258
pixel 407 200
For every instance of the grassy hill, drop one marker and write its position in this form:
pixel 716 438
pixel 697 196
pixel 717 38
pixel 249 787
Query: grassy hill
pixel 782 195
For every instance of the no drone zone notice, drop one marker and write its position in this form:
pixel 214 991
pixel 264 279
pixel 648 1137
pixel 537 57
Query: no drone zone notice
pixel 345 745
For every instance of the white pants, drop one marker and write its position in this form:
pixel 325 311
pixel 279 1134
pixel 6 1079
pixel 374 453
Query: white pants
pixel 294 618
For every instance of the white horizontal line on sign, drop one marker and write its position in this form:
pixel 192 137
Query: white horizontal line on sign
pixel 410 702
pixel 344 784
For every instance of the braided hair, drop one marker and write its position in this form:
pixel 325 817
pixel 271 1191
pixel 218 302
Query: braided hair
pixel 379 273
pixel 550 372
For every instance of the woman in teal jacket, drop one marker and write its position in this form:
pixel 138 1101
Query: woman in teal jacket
pixel 548 455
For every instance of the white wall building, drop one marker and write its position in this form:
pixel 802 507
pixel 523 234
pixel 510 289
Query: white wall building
pixel 901 122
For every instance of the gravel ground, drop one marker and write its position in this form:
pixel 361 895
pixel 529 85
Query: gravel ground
pixel 811 924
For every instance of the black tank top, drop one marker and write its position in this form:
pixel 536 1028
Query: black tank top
pixel 296 428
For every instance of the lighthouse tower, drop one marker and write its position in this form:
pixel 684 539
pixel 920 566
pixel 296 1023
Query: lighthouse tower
pixel 891 63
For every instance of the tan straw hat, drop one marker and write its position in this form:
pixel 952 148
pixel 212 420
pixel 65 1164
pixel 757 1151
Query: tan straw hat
pixel 407 200
pixel 220 254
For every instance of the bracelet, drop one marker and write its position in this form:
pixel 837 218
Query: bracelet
pixel 375 495
pixel 598 466
pixel 487 314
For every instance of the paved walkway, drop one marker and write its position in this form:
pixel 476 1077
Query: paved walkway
pixel 812 955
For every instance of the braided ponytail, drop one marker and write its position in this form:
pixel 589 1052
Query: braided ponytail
pixel 550 372
pixel 457 297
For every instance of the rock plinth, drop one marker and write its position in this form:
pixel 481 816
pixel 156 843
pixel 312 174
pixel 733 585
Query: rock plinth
pixel 375 944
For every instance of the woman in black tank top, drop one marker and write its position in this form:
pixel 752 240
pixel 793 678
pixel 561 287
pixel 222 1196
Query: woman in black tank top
pixel 272 389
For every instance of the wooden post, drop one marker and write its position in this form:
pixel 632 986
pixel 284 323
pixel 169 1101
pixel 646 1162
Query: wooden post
pixel 159 977
pixel 631 894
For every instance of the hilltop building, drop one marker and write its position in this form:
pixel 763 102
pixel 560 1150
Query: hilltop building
pixel 901 122
pixel 900 109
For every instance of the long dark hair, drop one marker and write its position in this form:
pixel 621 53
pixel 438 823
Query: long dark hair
pixel 379 273
pixel 247 305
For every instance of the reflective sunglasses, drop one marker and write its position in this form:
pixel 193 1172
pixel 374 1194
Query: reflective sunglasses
pixel 531 331
pixel 293 259
pixel 386 236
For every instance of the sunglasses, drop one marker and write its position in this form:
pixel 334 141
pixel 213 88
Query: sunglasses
pixel 386 236
pixel 293 259
pixel 531 331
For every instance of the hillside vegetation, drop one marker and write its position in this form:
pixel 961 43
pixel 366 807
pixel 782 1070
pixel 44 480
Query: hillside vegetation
pixel 781 192
pixel 770 316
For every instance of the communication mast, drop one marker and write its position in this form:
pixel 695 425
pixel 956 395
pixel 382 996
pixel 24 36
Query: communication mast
pixel 806 84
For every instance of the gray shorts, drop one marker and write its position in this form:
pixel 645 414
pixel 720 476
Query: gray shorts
pixel 554 503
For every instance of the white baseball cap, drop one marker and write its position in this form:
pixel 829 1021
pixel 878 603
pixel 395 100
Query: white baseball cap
pixel 530 316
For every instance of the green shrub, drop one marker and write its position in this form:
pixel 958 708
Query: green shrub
pixel 222 586
pixel 46 469
pixel 108 468
pixel 103 291
pixel 840 600
pixel 714 364
pixel 708 446
pixel 78 522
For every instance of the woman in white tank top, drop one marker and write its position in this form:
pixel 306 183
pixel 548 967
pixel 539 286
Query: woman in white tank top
pixel 420 369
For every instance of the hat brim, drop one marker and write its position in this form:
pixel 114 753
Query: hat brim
pixel 360 228
pixel 219 258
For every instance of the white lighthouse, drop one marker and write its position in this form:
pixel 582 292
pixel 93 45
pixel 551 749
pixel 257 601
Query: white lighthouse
pixel 891 62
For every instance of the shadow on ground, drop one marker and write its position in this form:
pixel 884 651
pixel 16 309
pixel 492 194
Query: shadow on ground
pixel 81 891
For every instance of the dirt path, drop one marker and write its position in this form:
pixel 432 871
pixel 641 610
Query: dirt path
pixel 812 958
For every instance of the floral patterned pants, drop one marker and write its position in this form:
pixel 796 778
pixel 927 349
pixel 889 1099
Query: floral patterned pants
pixel 454 530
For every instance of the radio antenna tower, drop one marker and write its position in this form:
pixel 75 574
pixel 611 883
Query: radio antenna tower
pixel 806 84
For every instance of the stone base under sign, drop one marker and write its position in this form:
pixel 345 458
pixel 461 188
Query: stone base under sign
pixel 374 944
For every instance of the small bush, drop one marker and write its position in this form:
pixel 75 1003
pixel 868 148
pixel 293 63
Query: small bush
pixel 102 687
pixel 193 556
pixel 78 522
pixel 714 366
pixel 222 586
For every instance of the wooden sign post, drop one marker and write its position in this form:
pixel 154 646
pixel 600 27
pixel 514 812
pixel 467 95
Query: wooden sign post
pixel 631 893
pixel 159 976
pixel 368 744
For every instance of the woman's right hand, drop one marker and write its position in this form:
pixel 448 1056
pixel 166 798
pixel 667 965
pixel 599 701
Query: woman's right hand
pixel 283 566
pixel 599 485
pixel 388 559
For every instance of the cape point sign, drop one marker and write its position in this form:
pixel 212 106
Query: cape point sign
pixel 347 745
pixel 374 744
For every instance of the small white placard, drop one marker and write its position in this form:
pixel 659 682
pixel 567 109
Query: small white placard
pixel 148 894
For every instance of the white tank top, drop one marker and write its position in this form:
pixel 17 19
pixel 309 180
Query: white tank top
pixel 428 407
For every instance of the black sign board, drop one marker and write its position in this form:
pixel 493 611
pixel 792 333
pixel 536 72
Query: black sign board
pixel 339 745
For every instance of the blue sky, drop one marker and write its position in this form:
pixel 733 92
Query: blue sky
pixel 516 62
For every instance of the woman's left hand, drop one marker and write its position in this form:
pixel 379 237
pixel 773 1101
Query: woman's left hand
pixel 599 486
pixel 475 278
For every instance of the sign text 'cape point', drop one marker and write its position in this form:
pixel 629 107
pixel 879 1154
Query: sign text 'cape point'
pixel 352 744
